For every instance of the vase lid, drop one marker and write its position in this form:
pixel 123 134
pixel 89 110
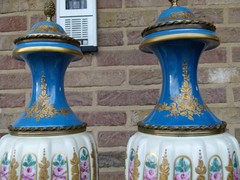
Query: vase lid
pixel 47 30
pixel 179 23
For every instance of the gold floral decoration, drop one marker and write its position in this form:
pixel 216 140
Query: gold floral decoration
pixel 201 168
pixel 164 168
pixel 229 168
pixel 178 15
pixel 75 169
pixel 44 165
pixel 13 168
pixel 136 163
pixel 47 28
pixel 43 108
pixel 94 165
pixel 185 104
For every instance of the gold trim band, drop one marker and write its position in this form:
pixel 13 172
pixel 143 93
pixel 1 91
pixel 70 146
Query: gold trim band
pixel 176 37
pixel 46 49
pixel 182 131
pixel 47 131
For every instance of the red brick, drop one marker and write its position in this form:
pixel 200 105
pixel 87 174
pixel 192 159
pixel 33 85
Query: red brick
pixel 199 2
pixel 7 63
pixel 7 119
pixel 37 18
pixel 15 81
pixel 113 138
pixel 219 75
pixel 79 98
pixel 145 76
pixel 12 100
pixel 236 54
pixel 214 95
pixel 151 3
pixel 236 94
pixel 133 18
pixel 97 118
pixel 233 16
pixel 218 55
pixel 112 175
pixel 8 6
pixel 126 57
pixel 228 114
pixel 6 41
pixel 95 78
pixel 222 2
pixel 229 34
pixel 13 23
pixel 125 98
pixel 134 37
pixel 110 38
pixel 209 15
pixel 105 4
pixel 85 61
pixel 31 5
pixel 111 159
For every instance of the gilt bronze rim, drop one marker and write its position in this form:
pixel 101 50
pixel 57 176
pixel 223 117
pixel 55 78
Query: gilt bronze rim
pixel 182 130
pixel 46 131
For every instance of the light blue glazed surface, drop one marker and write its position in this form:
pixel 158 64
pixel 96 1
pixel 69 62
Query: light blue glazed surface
pixel 48 60
pixel 172 56
pixel 52 66
pixel 178 51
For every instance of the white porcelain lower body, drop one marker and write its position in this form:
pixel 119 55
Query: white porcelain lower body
pixel 153 157
pixel 68 157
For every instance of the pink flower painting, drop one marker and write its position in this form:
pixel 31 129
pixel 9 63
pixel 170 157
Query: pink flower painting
pixel 59 167
pixel 84 164
pixel 4 172
pixel 182 168
pixel 150 168
pixel 29 167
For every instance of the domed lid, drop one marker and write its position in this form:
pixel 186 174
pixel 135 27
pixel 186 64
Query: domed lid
pixel 48 30
pixel 178 23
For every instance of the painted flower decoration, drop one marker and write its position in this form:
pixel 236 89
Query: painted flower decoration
pixel 150 174
pixel 4 172
pixel 59 173
pixel 216 176
pixel 84 164
pixel 59 168
pixel 215 169
pixel 182 176
pixel 182 169
pixel 28 173
pixel 5 167
pixel 29 167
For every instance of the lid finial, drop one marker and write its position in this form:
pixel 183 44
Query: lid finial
pixel 49 9
pixel 174 2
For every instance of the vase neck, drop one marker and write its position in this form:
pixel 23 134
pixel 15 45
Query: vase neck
pixel 48 106
pixel 180 103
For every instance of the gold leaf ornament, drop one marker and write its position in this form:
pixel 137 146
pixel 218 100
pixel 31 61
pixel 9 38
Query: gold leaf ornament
pixel 43 108
pixel 184 104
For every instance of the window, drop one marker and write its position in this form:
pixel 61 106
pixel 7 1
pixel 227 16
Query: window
pixel 76 4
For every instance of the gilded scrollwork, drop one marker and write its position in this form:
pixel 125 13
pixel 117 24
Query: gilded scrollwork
pixel 178 15
pixel 13 169
pixel 201 168
pixel 43 108
pixel 184 104
pixel 230 168
pixel 136 163
pixel 164 167
pixel 75 169
pixel 44 165
pixel 94 164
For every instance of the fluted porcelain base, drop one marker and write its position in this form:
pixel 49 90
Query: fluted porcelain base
pixel 152 157
pixel 48 157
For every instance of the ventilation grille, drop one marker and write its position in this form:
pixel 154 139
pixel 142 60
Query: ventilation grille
pixel 78 29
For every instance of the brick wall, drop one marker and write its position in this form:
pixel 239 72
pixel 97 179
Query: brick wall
pixel 115 88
